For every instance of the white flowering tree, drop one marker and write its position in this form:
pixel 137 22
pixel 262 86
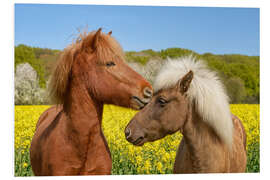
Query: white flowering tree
pixel 137 67
pixel 27 90
pixel 149 70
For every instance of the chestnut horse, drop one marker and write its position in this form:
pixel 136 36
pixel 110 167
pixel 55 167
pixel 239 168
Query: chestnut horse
pixel 68 139
pixel 191 99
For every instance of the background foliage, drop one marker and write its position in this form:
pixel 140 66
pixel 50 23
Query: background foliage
pixel 239 73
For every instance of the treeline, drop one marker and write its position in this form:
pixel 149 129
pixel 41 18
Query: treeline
pixel 239 73
pixel 41 59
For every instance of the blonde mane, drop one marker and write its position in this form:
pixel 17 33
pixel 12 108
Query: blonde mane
pixel 103 46
pixel 206 91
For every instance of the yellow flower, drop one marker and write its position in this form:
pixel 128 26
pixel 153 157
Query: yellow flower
pixel 154 157
pixel 25 164
pixel 139 159
pixel 159 167
pixel 147 166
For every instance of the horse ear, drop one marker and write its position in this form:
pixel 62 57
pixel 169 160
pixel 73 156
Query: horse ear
pixel 185 82
pixel 110 33
pixel 96 39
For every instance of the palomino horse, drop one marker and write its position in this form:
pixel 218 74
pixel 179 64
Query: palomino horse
pixel 191 99
pixel 68 138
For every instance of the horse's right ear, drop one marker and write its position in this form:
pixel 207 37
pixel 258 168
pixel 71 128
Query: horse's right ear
pixel 94 44
pixel 110 33
pixel 184 83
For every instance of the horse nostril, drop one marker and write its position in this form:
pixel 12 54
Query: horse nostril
pixel 147 92
pixel 127 132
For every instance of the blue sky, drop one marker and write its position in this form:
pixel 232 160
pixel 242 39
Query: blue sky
pixel 214 30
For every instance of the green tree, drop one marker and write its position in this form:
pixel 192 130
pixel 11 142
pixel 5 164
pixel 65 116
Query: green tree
pixel 236 90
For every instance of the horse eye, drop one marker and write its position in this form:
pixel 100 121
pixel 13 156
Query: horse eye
pixel 109 64
pixel 162 101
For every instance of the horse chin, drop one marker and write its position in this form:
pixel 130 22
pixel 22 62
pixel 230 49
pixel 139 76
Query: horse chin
pixel 139 143
pixel 137 103
pixel 136 107
pixel 155 138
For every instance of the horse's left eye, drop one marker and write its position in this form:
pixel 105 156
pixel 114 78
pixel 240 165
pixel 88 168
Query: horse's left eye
pixel 162 102
pixel 109 64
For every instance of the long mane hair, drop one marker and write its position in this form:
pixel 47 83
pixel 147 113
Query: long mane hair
pixel 103 46
pixel 206 91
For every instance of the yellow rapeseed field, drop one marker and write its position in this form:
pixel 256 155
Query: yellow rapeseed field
pixel 151 158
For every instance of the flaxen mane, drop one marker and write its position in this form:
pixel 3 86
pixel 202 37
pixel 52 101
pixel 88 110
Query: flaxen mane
pixel 101 46
pixel 206 91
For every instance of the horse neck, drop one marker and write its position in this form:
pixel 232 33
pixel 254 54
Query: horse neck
pixel 201 140
pixel 84 115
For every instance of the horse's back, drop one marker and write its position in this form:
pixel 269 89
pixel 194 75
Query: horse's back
pixel 241 129
pixel 48 116
pixel 238 156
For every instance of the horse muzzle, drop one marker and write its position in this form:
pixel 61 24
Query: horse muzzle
pixel 136 139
